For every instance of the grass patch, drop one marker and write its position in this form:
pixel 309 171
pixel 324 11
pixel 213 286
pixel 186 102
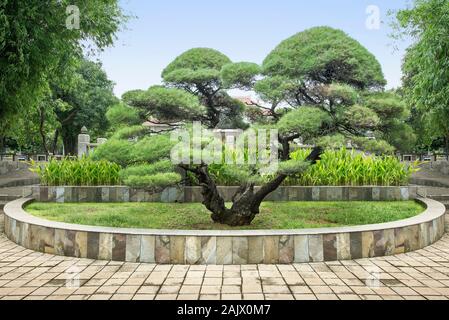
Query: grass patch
pixel 190 216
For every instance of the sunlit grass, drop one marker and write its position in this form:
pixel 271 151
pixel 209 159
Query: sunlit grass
pixel 274 215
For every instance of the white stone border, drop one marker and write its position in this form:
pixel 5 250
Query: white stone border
pixel 224 246
pixel 434 210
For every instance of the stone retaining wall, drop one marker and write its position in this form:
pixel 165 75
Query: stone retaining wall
pixel 12 166
pixel 224 247
pixel 193 194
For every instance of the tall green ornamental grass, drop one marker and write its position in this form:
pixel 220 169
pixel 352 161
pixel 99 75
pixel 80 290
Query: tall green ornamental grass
pixel 352 168
pixel 336 168
pixel 82 172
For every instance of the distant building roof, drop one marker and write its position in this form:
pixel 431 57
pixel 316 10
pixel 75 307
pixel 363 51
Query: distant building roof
pixel 246 100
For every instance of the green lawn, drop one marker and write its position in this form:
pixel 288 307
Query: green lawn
pixel 274 215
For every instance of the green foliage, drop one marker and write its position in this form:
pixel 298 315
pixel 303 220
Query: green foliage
pixel 82 172
pixel 325 55
pixel 335 141
pixel 306 121
pixel 152 148
pixel 425 68
pixel 293 167
pixel 131 132
pixel 361 117
pixel 387 105
pixel 145 162
pixel 198 72
pixel 274 89
pixel 195 64
pixel 169 103
pixel 122 115
pixel 348 168
pixel 376 146
pixel 32 52
pixel 133 97
pixel 341 93
pixel 188 76
pixel 226 174
pixel 81 97
pixel 194 216
pixel 147 169
pixel 85 102
pixel 240 75
pixel 114 150
pixel 336 168
pixel 156 181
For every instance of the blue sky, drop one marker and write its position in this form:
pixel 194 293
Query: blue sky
pixel 245 30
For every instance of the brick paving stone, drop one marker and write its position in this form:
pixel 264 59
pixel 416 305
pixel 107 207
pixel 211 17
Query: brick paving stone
pixel 190 296
pixel 423 274
pixel 253 296
pixel 231 296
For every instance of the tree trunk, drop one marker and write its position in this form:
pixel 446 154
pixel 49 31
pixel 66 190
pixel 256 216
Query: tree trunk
pixel 55 141
pixel 69 142
pixel 446 147
pixel 42 129
pixel 245 202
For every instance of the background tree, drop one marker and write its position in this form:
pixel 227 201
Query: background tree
pixel 194 90
pixel 34 42
pixel 84 101
pixel 81 98
pixel 325 68
pixel 330 98
pixel 426 71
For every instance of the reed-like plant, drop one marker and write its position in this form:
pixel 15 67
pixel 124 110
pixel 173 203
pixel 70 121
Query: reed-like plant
pixel 351 168
pixel 81 172
pixel 338 168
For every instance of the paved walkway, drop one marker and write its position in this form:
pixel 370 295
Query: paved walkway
pixel 25 274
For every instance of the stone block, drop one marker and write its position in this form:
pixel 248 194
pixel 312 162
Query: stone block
pixel 193 250
pixel 343 246
pixel 301 249
pixel 255 250
pixel 65 242
pixel 147 249
pixel 118 247
pixel 42 239
pixel 330 247
pixel 356 245
pixel 271 249
pixel 224 250
pixel 162 251
pixel 133 246
pixel 209 250
pixel 81 244
pixel 93 240
pixel 105 246
pixel 286 249
pixel 177 249
pixel 316 248
pixel 315 193
pixel 239 250
pixel 367 244
pixel 105 194
pixel 384 242
pixel 375 191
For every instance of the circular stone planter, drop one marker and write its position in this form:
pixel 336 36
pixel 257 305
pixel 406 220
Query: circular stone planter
pixel 224 247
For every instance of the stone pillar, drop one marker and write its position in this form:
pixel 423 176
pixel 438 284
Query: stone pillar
pixel 83 142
